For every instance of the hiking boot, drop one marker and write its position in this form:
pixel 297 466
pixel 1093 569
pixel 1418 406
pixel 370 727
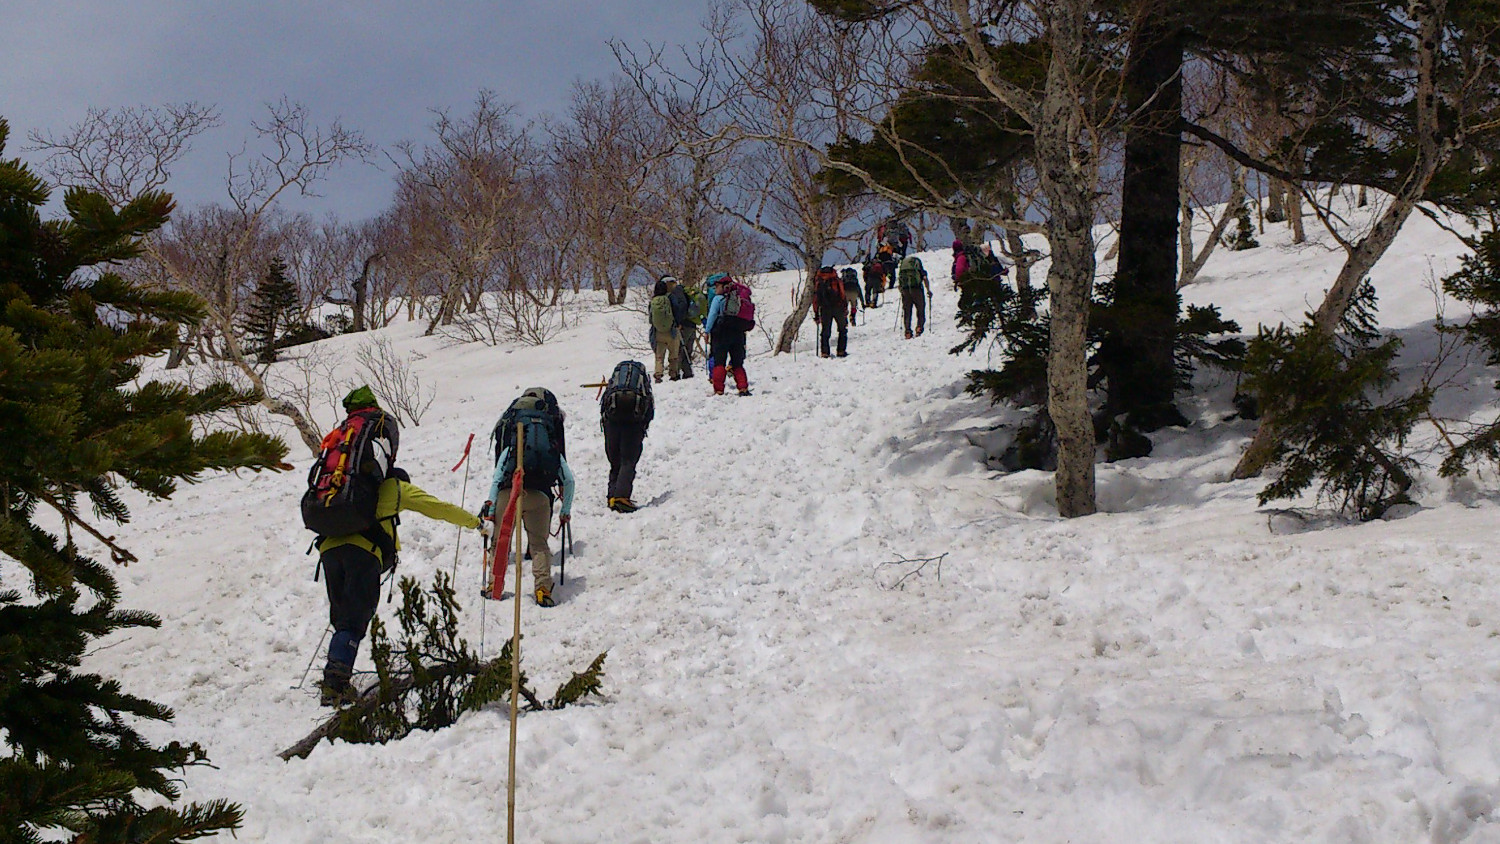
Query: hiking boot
pixel 336 690
pixel 908 335
pixel 657 378
pixel 843 354
pixel 919 332
pixel 544 598
pixel 676 377
pixel 623 505
pixel 744 392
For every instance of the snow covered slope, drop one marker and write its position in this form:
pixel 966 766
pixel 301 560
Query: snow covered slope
pixel 1183 667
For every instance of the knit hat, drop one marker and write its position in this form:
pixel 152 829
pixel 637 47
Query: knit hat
pixel 360 397
pixel 717 278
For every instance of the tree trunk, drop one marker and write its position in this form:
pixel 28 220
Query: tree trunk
pixel 361 293
pixel 1016 246
pixel 1432 152
pixel 311 436
pixel 793 323
pixel 1275 198
pixel 182 352
pixel 1137 356
pixel 1294 214
pixel 1193 264
pixel 1068 179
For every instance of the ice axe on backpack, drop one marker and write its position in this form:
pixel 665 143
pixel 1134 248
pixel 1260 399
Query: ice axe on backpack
pixel 603 382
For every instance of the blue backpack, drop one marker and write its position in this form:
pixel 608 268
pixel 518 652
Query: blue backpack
pixel 543 445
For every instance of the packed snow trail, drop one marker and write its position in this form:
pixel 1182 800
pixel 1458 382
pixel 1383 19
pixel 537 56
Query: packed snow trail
pixel 1169 670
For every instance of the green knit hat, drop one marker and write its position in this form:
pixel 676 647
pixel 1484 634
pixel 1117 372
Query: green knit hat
pixel 358 398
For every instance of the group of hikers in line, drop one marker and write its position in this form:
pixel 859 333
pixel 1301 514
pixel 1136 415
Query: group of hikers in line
pixel 724 308
pixel 356 492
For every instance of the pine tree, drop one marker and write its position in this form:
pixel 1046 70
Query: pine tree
pixel 1319 392
pixel 1477 283
pixel 273 309
pixel 77 425
pixel 428 677
pixel 1244 235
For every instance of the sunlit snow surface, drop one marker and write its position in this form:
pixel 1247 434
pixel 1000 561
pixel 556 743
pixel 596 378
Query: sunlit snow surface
pixel 1183 667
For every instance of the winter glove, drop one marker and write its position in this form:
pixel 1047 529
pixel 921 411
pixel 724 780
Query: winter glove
pixel 486 510
pixel 487 529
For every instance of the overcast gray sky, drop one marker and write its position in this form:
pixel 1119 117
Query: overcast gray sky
pixel 378 66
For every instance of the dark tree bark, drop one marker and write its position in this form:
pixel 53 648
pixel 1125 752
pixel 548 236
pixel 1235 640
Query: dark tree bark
pixel 1137 357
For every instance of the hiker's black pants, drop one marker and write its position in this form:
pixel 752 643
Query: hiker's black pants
pixel 828 317
pixel 685 353
pixel 352 577
pixel 913 299
pixel 622 445
pixel 729 349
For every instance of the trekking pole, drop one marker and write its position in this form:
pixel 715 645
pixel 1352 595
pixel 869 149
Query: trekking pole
pixel 458 536
pixel 515 654
pixel 313 658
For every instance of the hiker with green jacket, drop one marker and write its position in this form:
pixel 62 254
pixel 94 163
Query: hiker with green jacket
pixel 352 566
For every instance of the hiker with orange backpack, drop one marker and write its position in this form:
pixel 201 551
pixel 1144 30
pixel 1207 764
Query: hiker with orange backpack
pixel 830 307
pixel 355 493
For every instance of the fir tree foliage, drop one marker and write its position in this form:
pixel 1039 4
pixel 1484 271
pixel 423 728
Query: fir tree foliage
pixel 1477 284
pixel 991 311
pixel 430 676
pixel 77 425
pixel 1244 232
pixel 273 310
pixel 1319 392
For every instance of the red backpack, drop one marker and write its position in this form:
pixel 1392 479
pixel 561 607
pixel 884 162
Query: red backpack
pixel 343 485
pixel 739 311
pixel 828 290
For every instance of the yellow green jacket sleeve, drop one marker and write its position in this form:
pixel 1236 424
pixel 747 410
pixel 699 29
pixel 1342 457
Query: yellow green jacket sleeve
pixel 395 497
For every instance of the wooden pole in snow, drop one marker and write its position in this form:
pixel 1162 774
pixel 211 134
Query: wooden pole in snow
pixel 515 642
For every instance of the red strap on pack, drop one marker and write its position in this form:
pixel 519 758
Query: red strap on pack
pixel 502 538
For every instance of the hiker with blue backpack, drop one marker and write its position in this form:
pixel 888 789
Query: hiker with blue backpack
pixel 355 493
pixel 730 317
pixel 626 408
pixel 543 455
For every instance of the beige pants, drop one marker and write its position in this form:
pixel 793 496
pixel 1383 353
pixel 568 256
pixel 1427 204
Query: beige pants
pixel 666 347
pixel 536 518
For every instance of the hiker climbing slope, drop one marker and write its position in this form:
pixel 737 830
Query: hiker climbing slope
pixel 545 467
pixel 626 408
pixel 730 317
pixel 356 483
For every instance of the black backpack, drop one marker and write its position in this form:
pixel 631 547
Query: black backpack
pixel 627 395
pixel 343 486
pixel 543 448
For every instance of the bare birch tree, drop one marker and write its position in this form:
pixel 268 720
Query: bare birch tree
pixel 456 201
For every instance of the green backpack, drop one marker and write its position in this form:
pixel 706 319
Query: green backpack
pixel 661 314
pixel 909 273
